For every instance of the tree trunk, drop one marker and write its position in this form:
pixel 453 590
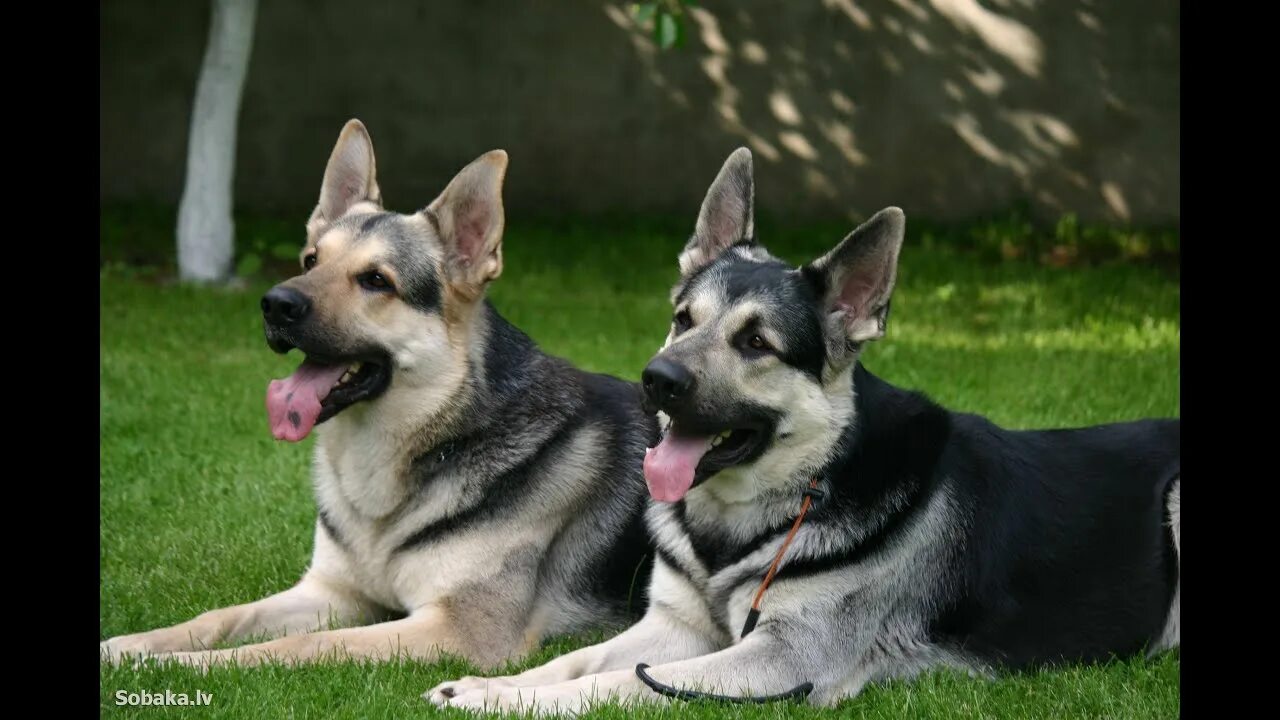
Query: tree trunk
pixel 205 227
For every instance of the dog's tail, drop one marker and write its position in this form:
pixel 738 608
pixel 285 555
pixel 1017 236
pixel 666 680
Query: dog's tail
pixel 1169 638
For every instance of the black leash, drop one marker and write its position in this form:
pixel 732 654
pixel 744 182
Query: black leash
pixel 798 692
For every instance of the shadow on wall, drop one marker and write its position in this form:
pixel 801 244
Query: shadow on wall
pixel 949 108
pixel 1072 105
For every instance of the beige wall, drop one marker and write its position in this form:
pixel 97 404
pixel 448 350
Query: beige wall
pixel 948 108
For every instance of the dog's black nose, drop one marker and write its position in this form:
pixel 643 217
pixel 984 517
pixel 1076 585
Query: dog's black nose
pixel 284 306
pixel 665 383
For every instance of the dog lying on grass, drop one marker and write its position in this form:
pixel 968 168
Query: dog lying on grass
pixel 905 537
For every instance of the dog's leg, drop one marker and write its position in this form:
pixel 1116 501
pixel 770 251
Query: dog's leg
pixel 762 664
pixel 482 621
pixel 659 637
pixel 675 628
pixel 422 636
pixel 311 604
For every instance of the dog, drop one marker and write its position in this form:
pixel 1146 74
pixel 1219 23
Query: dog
pixel 474 494
pixel 932 539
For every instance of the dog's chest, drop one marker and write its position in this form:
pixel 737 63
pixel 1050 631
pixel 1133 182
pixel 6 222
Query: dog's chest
pixel 367 514
pixel 365 468
pixel 720 572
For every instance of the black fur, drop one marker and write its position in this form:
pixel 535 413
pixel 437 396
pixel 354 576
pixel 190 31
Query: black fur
pixel 502 491
pixel 629 561
pixel 1068 555
pixel 790 298
pixel 420 285
pixel 327 523
pixel 1062 550
pixel 373 221
pixel 886 470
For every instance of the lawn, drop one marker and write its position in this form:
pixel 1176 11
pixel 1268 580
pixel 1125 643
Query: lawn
pixel 200 508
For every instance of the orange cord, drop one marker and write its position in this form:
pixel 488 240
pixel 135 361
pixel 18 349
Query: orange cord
pixel 773 569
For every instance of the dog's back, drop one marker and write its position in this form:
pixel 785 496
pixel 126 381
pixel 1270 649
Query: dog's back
pixel 1068 552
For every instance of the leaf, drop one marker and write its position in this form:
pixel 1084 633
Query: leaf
pixel 284 251
pixel 250 264
pixel 643 12
pixel 667 32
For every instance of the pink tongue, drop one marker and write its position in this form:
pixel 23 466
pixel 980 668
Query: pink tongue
pixel 293 403
pixel 668 468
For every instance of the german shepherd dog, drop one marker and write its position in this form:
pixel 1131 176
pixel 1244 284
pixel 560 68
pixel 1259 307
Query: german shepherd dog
pixel 932 538
pixel 474 494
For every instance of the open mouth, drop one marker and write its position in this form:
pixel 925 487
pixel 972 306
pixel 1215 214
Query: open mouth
pixel 319 389
pixel 685 457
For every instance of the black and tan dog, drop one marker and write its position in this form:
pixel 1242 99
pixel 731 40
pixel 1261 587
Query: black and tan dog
pixel 931 539
pixel 475 495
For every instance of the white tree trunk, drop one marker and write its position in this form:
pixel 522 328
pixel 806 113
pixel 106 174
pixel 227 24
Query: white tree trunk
pixel 206 231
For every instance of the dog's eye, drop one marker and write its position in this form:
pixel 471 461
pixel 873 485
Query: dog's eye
pixel 375 281
pixel 683 321
pixel 309 261
pixel 752 344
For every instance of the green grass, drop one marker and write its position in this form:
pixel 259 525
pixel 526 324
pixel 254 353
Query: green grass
pixel 201 509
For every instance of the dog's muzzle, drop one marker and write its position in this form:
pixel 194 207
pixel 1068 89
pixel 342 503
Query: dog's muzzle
pixel 283 306
pixel 666 384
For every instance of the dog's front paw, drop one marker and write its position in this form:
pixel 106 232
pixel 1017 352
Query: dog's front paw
pixel 188 636
pixel 539 701
pixel 123 647
pixel 446 691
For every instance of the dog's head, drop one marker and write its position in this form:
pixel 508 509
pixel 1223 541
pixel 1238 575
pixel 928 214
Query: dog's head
pixel 754 378
pixel 383 299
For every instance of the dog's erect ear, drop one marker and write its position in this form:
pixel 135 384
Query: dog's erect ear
pixel 350 176
pixel 858 275
pixel 469 218
pixel 727 216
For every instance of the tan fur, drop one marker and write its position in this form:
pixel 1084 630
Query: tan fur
pixel 422 636
pixel 351 175
pixel 457 215
pixel 727 214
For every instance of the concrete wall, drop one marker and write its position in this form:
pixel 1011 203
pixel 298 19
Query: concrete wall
pixel 948 108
